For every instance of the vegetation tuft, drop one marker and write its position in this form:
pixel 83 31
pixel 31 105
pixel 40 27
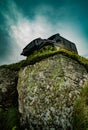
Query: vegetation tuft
pixel 80 114
pixel 9 120
pixel 46 52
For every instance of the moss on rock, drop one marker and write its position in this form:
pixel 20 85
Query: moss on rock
pixel 46 52
pixel 47 91
pixel 50 80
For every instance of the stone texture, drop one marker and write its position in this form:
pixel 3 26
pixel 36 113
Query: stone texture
pixel 47 91
pixel 8 91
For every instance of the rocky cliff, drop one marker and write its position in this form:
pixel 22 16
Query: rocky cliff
pixel 44 88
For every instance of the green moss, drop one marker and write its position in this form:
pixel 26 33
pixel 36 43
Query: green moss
pixel 83 61
pixel 9 120
pixel 35 57
pixel 80 114
pixel 46 52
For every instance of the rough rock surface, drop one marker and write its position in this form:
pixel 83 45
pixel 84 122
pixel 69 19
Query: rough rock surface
pixel 8 91
pixel 47 92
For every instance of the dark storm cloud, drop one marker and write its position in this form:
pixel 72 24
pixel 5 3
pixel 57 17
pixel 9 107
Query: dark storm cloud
pixel 4 44
pixel 67 11
pixel 72 8
pixel 8 18
pixel 4 37
pixel 23 20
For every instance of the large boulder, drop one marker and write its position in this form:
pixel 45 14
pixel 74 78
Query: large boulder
pixel 47 93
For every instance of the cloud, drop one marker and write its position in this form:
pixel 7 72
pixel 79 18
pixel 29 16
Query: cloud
pixel 21 30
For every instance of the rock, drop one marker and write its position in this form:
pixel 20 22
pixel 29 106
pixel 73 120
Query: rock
pixel 9 114
pixel 44 88
pixel 8 91
pixel 47 92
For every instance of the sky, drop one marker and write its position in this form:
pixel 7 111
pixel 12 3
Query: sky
pixel 21 21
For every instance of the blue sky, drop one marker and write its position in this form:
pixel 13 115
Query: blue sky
pixel 24 20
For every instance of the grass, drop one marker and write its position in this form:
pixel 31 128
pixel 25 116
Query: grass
pixel 80 114
pixel 45 53
pixel 9 120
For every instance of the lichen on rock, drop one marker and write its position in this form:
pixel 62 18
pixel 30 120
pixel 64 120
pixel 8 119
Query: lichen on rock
pixel 46 85
pixel 47 91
